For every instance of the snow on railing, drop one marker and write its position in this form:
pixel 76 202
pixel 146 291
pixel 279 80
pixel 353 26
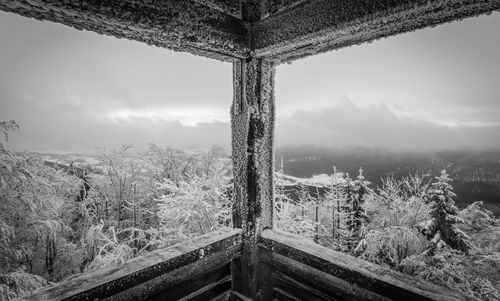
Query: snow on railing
pixel 304 270
pixel 199 267
pixel 296 269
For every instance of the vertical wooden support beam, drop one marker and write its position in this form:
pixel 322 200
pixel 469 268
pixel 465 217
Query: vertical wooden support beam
pixel 252 118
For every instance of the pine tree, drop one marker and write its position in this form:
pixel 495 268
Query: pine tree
pixel 344 208
pixel 334 196
pixel 359 214
pixel 357 190
pixel 351 213
pixel 442 228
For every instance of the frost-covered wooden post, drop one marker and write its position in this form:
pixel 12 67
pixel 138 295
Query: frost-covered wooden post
pixel 252 116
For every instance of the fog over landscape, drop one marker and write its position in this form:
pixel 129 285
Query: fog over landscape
pixel 432 89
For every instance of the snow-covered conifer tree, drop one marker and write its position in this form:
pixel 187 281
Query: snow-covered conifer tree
pixel 357 217
pixel 442 228
pixel 352 215
pixel 344 207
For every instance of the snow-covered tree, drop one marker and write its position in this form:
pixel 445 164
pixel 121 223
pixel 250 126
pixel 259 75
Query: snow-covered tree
pixel 389 246
pixel 359 189
pixel 32 231
pixel 334 197
pixel 167 163
pixel 19 283
pixel 194 206
pixel 295 215
pixel 395 210
pixel 6 127
pixel 442 227
pixel 121 171
pixel 352 215
pixel 399 203
pixel 482 227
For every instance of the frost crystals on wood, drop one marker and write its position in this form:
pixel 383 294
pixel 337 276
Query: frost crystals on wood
pixel 253 129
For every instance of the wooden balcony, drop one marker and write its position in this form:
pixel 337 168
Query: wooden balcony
pixel 251 262
pixel 200 269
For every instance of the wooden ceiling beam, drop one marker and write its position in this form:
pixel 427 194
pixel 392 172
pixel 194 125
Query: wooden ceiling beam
pixel 230 7
pixel 277 30
pixel 316 26
pixel 180 25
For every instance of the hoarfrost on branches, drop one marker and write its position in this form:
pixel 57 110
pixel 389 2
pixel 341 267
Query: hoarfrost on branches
pixel 197 205
pixel 401 229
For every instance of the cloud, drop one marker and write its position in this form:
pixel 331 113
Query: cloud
pixel 88 134
pixel 80 90
pixel 343 123
pixel 55 66
pixel 347 124
pixel 431 89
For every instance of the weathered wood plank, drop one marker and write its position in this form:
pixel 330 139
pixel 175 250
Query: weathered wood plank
pixel 156 270
pixel 235 296
pixel 180 25
pixel 216 291
pixel 230 7
pixel 252 116
pixel 264 274
pixel 255 10
pixel 374 278
pixel 222 297
pixel 281 295
pixel 323 286
pixel 317 26
pixel 200 287
pixel 270 7
pixel 297 290
pixel 174 279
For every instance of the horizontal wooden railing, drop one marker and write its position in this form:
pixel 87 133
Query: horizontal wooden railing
pixel 198 269
pixel 304 270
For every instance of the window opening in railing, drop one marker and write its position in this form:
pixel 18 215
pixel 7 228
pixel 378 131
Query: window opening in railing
pixel 390 152
pixel 115 149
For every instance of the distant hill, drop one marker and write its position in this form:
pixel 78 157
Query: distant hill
pixel 476 174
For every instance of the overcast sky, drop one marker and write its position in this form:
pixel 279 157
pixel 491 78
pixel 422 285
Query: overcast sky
pixel 434 88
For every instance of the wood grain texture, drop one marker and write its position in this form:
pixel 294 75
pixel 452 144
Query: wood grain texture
pixel 302 259
pixel 142 277
pixel 317 26
pixel 252 118
pixel 180 25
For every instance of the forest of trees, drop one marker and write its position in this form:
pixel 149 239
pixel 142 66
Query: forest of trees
pixel 410 225
pixel 57 222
